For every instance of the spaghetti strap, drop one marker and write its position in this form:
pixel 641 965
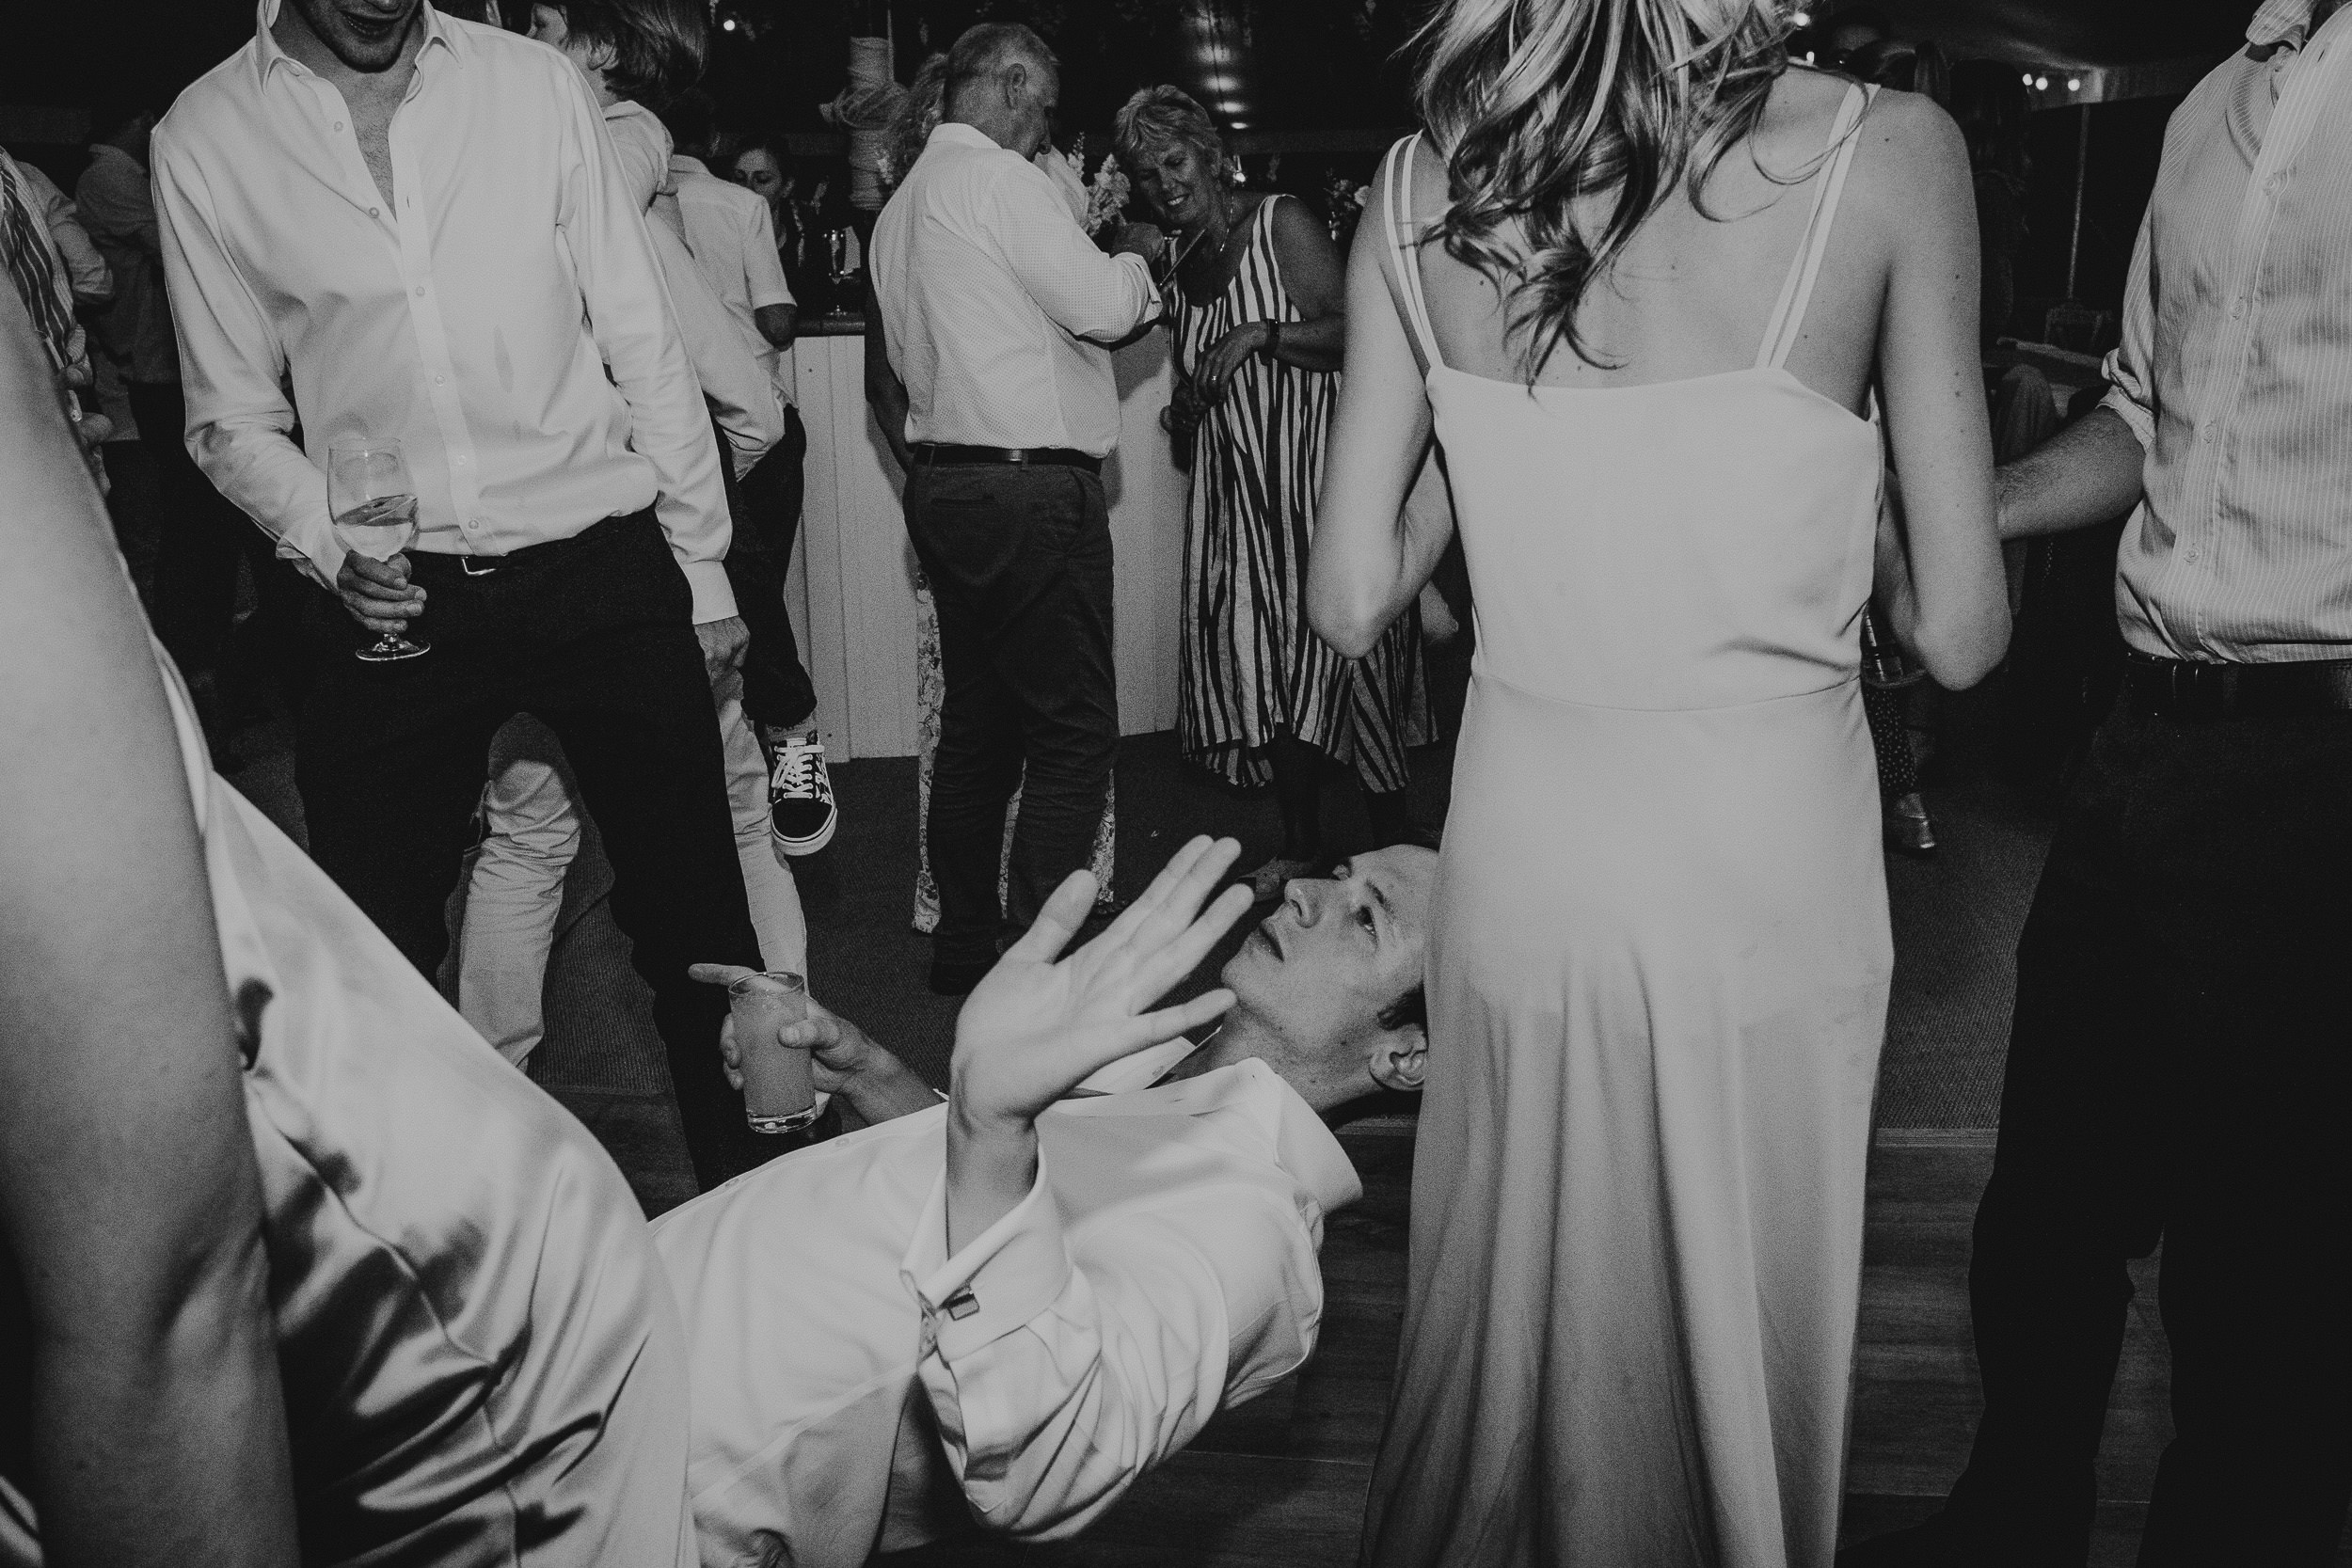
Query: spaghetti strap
pixel 1403 234
pixel 1779 334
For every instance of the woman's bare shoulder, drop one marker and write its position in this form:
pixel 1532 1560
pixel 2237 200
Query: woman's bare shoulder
pixel 1908 154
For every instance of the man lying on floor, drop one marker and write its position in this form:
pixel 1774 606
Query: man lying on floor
pixel 1006 1308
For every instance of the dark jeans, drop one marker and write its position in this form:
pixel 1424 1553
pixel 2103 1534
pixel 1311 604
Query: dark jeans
pixel 2180 1067
pixel 1020 567
pixel 200 537
pixel 777 690
pixel 596 637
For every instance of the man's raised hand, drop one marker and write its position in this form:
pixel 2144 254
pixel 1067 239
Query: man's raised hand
pixel 1036 1028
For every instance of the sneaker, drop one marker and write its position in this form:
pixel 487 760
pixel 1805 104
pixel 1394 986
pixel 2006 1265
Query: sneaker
pixel 801 813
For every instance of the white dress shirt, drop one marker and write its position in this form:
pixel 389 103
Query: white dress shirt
pixel 735 383
pixel 1163 1266
pixel 989 294
pixel 474 320
pixel 734 242
pixel 2235 371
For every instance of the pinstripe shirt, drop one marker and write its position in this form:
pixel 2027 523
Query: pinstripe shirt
pixel 990 293
pixel 2236 368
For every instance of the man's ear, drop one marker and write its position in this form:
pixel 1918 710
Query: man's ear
pixel 600 57
pixel 1400 1058
pixel 1015 82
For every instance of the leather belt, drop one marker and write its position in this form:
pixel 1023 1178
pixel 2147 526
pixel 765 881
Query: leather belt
pixel 929 455
pixel 2198 692
pixel 435 563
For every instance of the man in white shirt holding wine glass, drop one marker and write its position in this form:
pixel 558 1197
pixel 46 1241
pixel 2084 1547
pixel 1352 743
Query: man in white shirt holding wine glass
pixel 330 230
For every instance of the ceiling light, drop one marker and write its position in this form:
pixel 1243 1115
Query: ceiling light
pixel 728 25
pixel 1802 19
pixel 2041 81
pixel 2029 78
pixel 2073 84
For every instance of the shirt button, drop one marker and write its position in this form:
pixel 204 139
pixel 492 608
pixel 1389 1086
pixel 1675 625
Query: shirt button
pixel 459 460
pixel 2237 309
pixel 419 291
pixel 473 522
pixel 375 212
pixel 2272 183
pixel 438 379
pixel 338 126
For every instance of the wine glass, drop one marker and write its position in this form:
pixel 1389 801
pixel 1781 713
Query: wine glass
pixel 373 504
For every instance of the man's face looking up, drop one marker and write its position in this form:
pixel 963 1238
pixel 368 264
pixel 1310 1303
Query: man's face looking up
pixel 1340 951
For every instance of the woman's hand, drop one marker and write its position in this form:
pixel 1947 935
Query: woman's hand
pixel 1227 355
pixel 1036 1028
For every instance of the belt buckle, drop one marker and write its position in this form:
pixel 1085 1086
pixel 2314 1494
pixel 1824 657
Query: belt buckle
pixel 474 566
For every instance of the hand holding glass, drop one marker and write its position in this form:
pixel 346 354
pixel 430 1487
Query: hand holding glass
pixel 779 1088
pixel 373 504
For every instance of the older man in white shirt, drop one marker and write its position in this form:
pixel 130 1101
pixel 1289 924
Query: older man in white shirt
pixel 330 224
pixel 998 314
pixel 880 1355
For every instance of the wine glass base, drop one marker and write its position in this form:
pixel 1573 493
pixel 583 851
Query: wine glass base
pixel 391 650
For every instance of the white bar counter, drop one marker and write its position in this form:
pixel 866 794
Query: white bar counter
pixel 851 588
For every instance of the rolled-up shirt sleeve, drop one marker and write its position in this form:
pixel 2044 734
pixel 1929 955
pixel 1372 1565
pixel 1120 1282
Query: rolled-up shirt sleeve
pixel 1059 1377
pixel 630 318
pixel 1086 294
pixel 2126 369
pixel 232 371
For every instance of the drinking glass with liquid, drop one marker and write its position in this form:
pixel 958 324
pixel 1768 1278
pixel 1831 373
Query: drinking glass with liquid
pixel 373 504
pixel 779 1082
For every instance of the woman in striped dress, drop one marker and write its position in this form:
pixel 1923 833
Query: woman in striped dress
pixel 1259 328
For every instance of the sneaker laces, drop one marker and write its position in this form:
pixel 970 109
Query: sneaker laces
pixel 800 769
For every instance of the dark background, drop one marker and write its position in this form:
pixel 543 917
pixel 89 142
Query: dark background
pixel 1282 71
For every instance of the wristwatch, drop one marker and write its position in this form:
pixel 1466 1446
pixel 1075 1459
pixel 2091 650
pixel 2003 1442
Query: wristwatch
pixel 1273 339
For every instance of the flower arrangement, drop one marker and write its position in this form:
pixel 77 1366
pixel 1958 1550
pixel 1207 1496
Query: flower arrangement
pixel 1343 201
pixel 1106 193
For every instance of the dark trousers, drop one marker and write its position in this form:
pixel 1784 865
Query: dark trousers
pixel 596 637
pixel 2180 1069
pixel 200 537
pixel 777 690
pixel 1019 561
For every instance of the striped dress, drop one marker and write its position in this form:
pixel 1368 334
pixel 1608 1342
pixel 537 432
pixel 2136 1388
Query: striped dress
pixel 1249 665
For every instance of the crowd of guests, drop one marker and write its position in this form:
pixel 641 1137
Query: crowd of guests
pixel 303 1270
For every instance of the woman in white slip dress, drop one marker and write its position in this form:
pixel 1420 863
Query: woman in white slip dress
pixel 1658 976
pixel 237 1122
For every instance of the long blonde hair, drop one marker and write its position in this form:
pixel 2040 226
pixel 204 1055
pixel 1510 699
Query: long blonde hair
pixel 1536 102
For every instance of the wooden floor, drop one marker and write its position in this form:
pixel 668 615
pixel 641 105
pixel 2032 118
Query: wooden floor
pixel 1280 1482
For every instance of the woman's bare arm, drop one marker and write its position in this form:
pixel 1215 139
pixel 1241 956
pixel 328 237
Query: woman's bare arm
pixel 130 1203
pixel 1315 276
pixel 1940 561
pixel 1369 560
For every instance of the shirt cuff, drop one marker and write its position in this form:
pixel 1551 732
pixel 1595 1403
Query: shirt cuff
pixel 2126 407
pixel 1015 1270
pixel 1159 301
pixel 762 298
pixel 316 552
pixel 714 600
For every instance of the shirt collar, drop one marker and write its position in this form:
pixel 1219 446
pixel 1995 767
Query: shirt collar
pixel 966 136
pixel 1303 1146
pixel 267 53
pixel 2281 22
pixel 681 164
